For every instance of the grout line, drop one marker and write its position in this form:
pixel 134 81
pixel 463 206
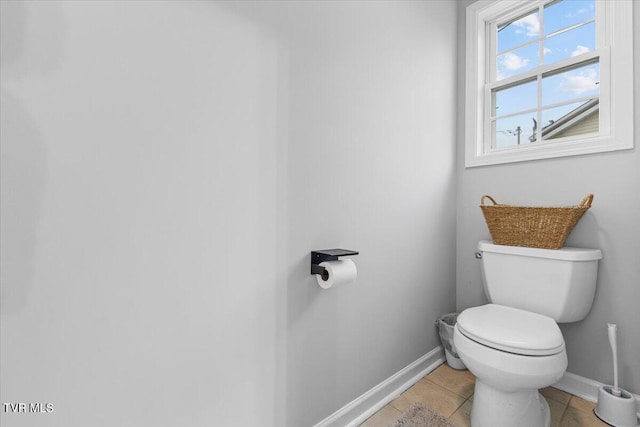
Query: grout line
pixel 457 409
pixel 468 399
pixel 557 400
pixel 447 388
pixel 564 411
pixel 450 391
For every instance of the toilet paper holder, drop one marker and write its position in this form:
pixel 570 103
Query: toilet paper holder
pixel 327 255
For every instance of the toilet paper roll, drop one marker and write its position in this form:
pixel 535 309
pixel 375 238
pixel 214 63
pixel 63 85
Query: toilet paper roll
pixel 338 273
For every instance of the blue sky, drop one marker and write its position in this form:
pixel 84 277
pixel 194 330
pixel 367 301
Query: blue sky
pixel 557 45
pixel 557 16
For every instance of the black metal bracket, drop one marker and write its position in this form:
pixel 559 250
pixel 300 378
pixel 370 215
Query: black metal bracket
pixel 327 255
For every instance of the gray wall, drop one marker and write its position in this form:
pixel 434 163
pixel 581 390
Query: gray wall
pixel 611 225
pixel 371 168
pixel 166 169
pixel 140 214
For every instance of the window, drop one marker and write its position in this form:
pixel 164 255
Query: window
pixel 547 78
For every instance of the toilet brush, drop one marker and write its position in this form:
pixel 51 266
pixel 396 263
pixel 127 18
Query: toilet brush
pixel 616 406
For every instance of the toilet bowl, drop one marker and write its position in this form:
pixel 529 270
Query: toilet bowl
pixel 512 353
pixel 513 345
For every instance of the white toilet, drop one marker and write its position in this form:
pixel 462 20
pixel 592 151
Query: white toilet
pixel 513 345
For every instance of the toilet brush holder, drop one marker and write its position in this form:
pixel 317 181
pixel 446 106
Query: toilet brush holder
pixel 615 405
pixel 618 411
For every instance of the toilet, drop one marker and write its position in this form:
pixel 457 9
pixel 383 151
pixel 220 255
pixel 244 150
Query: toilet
pixel 513 345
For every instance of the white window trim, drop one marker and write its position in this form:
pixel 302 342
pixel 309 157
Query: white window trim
pixel 616 92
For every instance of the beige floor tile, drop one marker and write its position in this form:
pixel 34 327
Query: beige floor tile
pixel 462 416
pixel 598 423
pixel 581 404
pixel 383 417
pixel 401 403
pixel 444 390
pixel 575 418
pixel 459 382
pixel 557 411
pixel 555 394
pixel 436 397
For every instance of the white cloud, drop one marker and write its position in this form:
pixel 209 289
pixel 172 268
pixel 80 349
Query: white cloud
pixel 513 62
pixel 530 23
pixel 581 82
pixel 546 51
pixel 580 50
pixel 580 11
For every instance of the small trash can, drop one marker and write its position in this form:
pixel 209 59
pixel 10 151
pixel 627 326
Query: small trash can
pixel 445 326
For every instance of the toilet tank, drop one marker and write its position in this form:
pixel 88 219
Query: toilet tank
pixel 559 283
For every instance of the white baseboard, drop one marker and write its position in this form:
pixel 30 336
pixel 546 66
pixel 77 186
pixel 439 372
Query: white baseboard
pixel 357 411
pixel 585 388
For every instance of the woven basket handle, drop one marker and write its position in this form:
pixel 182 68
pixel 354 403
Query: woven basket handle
pixel 586 202
pixel 486 196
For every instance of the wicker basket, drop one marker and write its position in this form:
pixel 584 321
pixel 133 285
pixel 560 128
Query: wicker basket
pixel 535 227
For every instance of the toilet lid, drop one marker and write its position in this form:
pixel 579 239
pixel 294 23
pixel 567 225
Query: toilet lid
pixel 512 330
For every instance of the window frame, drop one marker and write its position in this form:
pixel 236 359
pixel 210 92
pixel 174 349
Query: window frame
pixel 614 52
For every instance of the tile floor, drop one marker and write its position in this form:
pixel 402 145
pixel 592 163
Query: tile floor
pixel 450 392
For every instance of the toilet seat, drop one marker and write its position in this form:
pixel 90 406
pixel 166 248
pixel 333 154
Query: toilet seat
pixel 512 330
